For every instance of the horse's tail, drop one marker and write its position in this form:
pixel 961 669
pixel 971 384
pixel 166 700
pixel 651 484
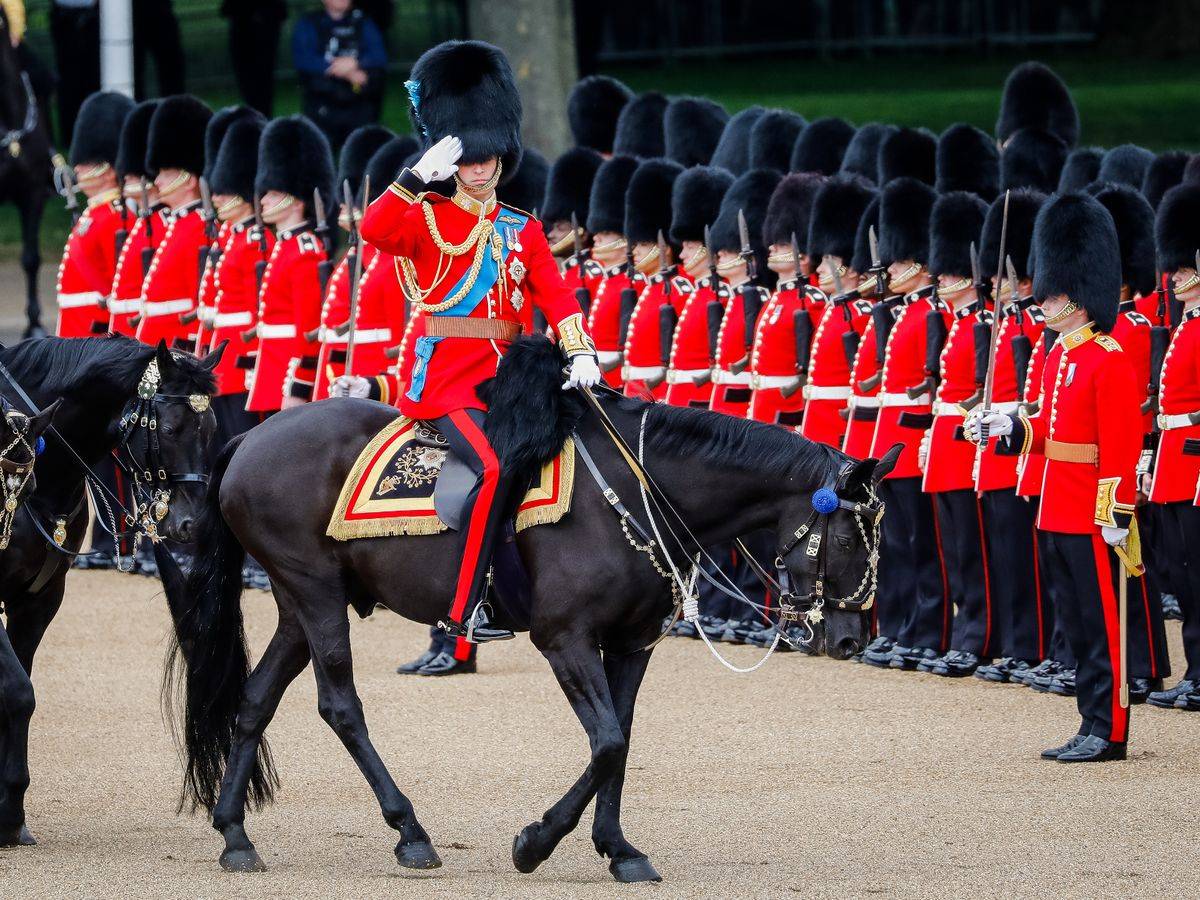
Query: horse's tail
pixel 207 663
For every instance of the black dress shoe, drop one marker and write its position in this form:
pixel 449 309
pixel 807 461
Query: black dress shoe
pixel 478 629
pixel 879 652
pixel 712 627
pixel 1166 699
pixel 1189 701
pixel 1171 607
pixel 911 657
pixel 411 668
pixel 1093 749
pixel 1056 752
pixel 1063 683
pixel 1041 675
pixel 764 636
pixel 955 664
pixel 446 664
pixel 1141 688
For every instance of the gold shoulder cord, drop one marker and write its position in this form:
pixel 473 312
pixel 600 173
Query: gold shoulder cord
pixel 478 240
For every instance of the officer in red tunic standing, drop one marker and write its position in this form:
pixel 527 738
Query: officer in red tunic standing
pixel 90 257
pixel 466 103
pixel 1088 429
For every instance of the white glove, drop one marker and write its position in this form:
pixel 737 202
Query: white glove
pixel 439 161
pixel 923 450
pixel 350 386
pixel 1114 537
pixel 998 424
pixel 583 372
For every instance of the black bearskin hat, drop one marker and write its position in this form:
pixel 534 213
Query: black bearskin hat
pixel 772 139
pixel 908 153
pixel 1125 164
pixel 526 189
pixel 640 127
pixel 1163 174
pixel 467 89
pixel 904 208
pixel 696 200
pixel 1032 159
pixel 1177 227
pixel 821 146
pixel 1023 206
pixel 98 128
pixel 733 149
pixel 592 110
pixel 837 210
pixel 357 151
pixel 1075 243
pixel 176 139
pixel 862 153
pixel 294 157
pixel 790 209
pixel 569 185
pixel 648 200
pixel 1134 220
pixel 131 149
pixel 861 260
pixel 750 194
pixel 954 225
pixel 967 160
pixel 1035 97
pixel 236 163
pixel 692 126
pixel 1191 171
pixel 606 203
pixel 1080 169
pixel 214 134
pixel 386 163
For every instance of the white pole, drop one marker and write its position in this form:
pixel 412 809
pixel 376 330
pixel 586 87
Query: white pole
pixel 116 46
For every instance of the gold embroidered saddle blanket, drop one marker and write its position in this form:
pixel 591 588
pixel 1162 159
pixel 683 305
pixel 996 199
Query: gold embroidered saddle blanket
pixel 401 484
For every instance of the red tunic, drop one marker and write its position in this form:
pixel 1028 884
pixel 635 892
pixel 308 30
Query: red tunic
pixel 951 456
pixel 206 299
pixel 903 420
pixel 235 305
pixel 125 296
pixel 863 406
pixel 587 274
pixel 335 310
pixel 1132 332
pixel 1177 466
pixel 773 364
pixel 1032 466
pixel 85 275
pixel 689 373
pixel 441 375
pixel 289 305
pixel 173 280
pixel 604 320
pixel 1092 399
pixel 731 389
pixel 644 363
pixel 828 389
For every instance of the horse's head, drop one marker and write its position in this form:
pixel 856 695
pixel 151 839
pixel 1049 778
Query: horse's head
pixel 829 554
pixel 167 431
pixel 20 443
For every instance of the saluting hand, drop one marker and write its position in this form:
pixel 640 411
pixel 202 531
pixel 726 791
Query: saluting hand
pixel 439 161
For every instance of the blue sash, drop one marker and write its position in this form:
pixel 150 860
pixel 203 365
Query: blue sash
pixel 509 222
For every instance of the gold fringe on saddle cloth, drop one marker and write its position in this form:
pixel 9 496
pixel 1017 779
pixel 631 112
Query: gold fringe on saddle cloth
pixel 389 490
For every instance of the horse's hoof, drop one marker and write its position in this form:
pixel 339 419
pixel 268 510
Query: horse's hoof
pixel 242 861
pixel 418 855
pixel 19 838
pixel 524 857
pixel 631 871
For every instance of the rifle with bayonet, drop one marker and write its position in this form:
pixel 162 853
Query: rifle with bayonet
pixel 582 297
pixel 752 302
pixel 979 332
pixel 850 337
pixel 714 312
pixel 667 317
pixel 209 252
pixel 321 230
pixel 801 328
pixel 71 194
pixel 629 299
pixel 260 265
pixel 989 380
pixel 122 234
pixel 1022 348
pixel 935 342
pixel 356 273
pixel 146 214
pixel 1160 341
pixel 881 312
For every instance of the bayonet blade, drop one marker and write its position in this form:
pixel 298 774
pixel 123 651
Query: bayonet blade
pixel 663 261
pixel 1012 279
pixel 874 244
pixel 744 234
pixel 974 265
pixel 206 203
pixel 796 253
pixel 576 237
pixel 1003 244
pixel 258 219
pixel 1198 260
pixel 348 202
pixel 837 282
pixel 712 260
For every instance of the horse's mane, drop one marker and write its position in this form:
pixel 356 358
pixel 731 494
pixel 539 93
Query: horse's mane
pixel 68 365
pixel 740 444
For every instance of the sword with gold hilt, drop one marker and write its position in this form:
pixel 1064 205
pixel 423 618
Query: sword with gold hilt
pixel 1129 560
pixel 989 378
pixel 356 270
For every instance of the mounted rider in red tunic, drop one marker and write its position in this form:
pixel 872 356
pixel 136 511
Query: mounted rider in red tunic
pixel 475 269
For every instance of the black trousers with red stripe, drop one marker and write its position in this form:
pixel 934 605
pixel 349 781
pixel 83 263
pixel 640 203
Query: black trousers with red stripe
pixel 1180 543
pixel 968 572
pixel 916 588
pixel 1148 654
pixel 1088 610
pixel 1023 617
pixel 484 510
pixel 1059 649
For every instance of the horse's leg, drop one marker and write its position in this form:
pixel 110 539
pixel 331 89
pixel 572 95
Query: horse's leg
pixel 580 673
pixel 30 209
pixel 285 658
pixel 628 863
pixel 339 705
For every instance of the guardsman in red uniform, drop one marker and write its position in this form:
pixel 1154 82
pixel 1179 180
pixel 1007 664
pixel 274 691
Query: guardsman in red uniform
pixel 175 154
pixel 949 458
pixel 568 191
pixel 89 259
pixel 647 216
pixel 1176 476
pixel 749 197
pixel 485 300
pixel 294 160
pixel 606 223
pixel 1023 615
pixel 782 340
pixel 695 204
pixel 1088 430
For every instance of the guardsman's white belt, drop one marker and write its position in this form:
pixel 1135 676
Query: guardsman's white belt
pixel 685 376
pixel 642 373
pixel 270 332
pixel 361 336
pixel 857 402
pixel 84 298
pixel 827 392
pixel 901 398
pixel 1182 420
pixel 120 307
pixel 232 319
pixel 609 359
pixel 761 382
pixel 724 376
pixel 167 307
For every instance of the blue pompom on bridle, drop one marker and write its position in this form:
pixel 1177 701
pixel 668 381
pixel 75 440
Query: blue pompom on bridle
pixel 825 500
pixel 39 446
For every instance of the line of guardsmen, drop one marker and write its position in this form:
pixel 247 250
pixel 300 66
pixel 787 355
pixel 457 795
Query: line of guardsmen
pixel 842 282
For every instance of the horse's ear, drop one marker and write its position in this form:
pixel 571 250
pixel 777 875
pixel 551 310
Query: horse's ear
pixel 860 474
pixel 39 423
pixel 164 357
pixel 210 361
pixel 886 463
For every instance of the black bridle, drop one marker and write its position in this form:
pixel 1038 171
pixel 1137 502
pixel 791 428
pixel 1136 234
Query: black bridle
pixel 16 473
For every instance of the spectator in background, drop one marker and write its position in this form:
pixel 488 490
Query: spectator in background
pixel 156 31
pixel 341 61
pixel 254 27
pixel 75 33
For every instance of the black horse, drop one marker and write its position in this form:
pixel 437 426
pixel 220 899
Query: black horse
pixel 25 166
pixel 103 382
pixel 597 603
